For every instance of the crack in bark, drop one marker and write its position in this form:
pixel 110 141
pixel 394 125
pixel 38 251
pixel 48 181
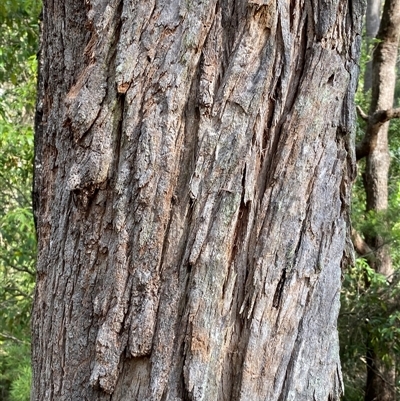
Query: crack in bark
pixel 279 290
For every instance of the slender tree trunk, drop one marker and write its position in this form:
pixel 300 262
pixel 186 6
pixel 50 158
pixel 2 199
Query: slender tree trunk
pixel 372 21
pixel 192 182
pixel 381 377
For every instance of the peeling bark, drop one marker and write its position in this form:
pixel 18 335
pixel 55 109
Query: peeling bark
pixel 192 180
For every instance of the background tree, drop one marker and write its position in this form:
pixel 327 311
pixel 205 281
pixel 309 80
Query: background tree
pixel 372 22
pixel 192 173
pixel 18 43
pixel 378 290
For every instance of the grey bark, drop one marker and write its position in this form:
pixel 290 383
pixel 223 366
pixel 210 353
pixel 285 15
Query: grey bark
pixel 192 181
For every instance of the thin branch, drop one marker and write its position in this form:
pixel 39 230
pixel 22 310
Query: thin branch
pixel 10 337
pixel 14 290
pixel 22 269
pixel 382 116
pixel 375 122
pixel 361 247
pixel 380 375
pixel 17 189
pixel 361 113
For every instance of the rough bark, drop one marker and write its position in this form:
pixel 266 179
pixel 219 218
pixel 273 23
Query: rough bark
pixel 192 175
pixel 380 377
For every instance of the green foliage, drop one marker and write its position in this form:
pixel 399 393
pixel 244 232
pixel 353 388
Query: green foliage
pixel 21 386
pixel 15 372
pixel 17 102
pixel 369 317
pixel 18 45
pixel 18 39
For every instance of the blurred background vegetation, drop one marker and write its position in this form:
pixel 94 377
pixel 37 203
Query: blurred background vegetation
pixel 369 320
pixel 18 47
pixel 370 314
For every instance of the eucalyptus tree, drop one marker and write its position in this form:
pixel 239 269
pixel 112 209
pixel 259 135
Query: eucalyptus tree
pixel 192 181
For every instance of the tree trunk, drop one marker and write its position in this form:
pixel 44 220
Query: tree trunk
pixel 380 377
pixel 192 181
pixel 372 21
